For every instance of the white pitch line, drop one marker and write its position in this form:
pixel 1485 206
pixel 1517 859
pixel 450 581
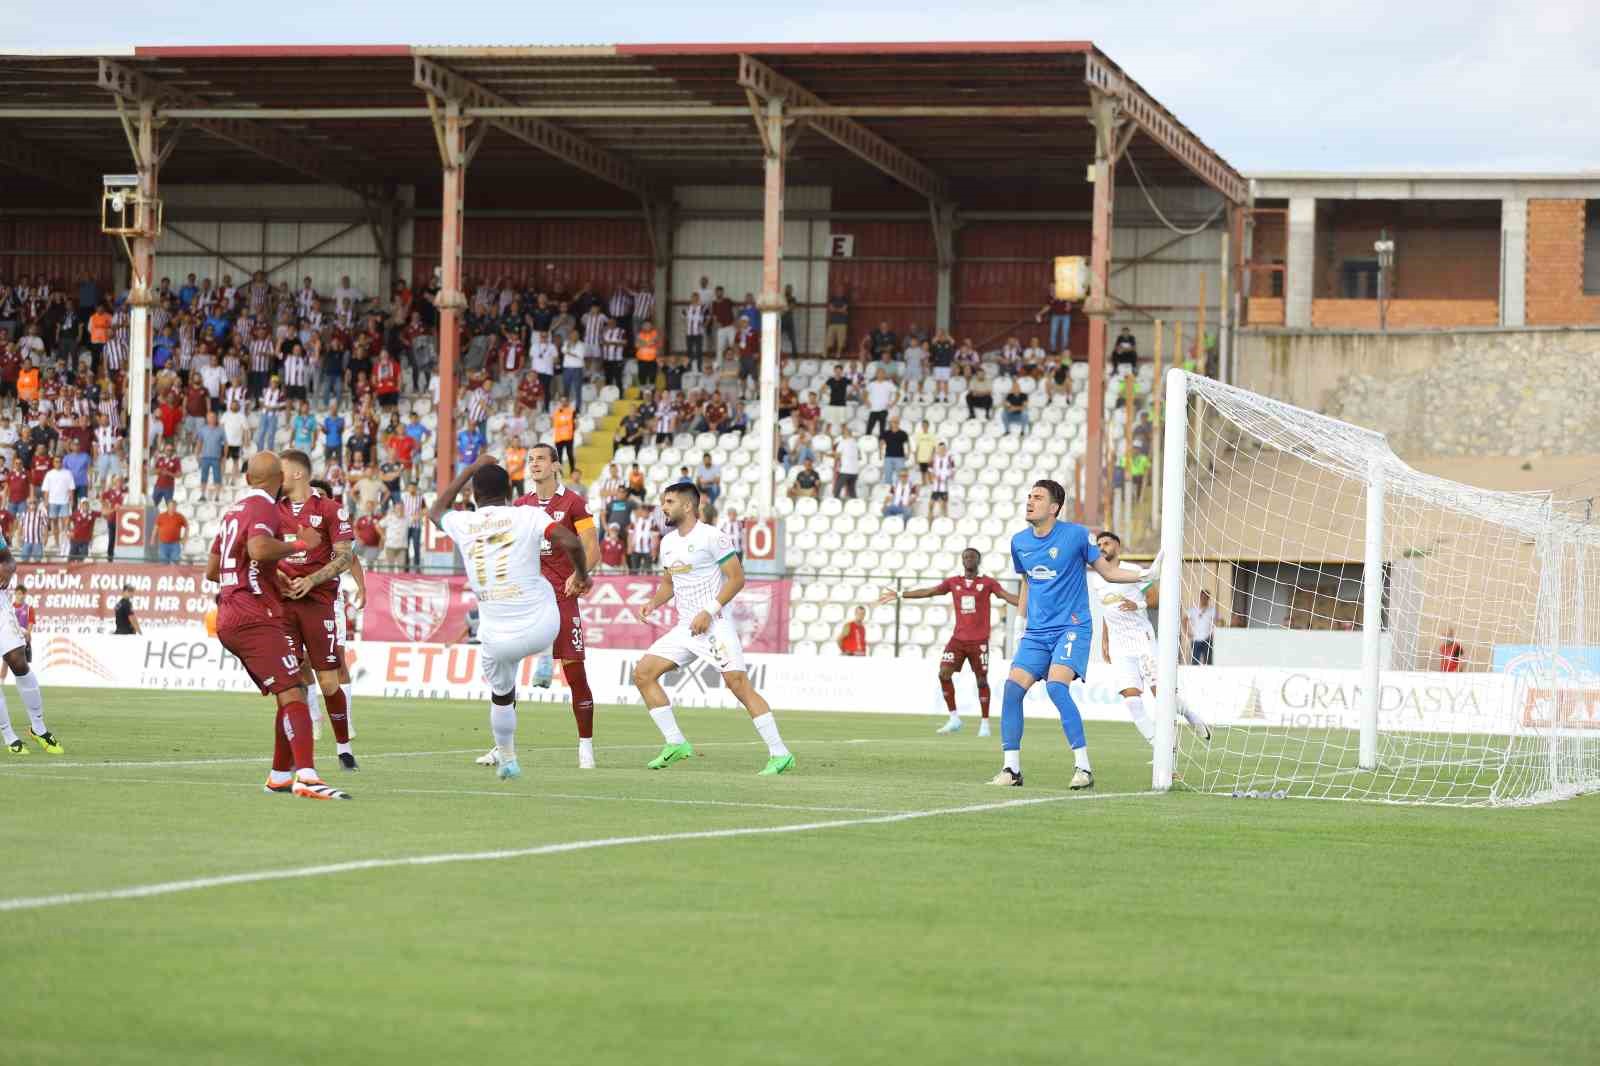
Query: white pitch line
pixel 166 888
pixel 509 794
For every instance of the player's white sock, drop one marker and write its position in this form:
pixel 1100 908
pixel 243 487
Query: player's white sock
pixel 32 700
pixel 767 726
pixel 280 777
pixel 1141 721
pixel 586 749
pixel 7 734
pixel 343 749
pixel 503 724
pixel 667 723
pixel 1013 761
pixel 1080 758
pixel 349 707
pixel 314 703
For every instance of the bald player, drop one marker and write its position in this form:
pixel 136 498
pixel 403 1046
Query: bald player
pixel 251 623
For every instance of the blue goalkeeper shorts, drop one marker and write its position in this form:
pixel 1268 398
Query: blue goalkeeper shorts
pixel 1038 652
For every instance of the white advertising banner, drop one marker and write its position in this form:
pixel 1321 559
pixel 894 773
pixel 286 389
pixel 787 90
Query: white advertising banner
pixel 1268 696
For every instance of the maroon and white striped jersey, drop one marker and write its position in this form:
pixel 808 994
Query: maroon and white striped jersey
pixel 695 318
pixel 33 524
pixel 305 301
pixel 903 493
pixel 644 305
pixel 941 469
pixel 478 405
pixel 594 329
pixel 666 418
pixel 263 353
pixel 272 399
pixel 614 345
pixel 106 440
pixel 641 535
pixel 116 350
pixel 621 305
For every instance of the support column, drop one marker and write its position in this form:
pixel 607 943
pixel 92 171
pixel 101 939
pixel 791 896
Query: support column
pixel 141 298
pixel 1098 306
pixel 659 217
pixel 1513 262
pixel 944 242
pixel 452 131
pixel 771 302
pixel 1300 262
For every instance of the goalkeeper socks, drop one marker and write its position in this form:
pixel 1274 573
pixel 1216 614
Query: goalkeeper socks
pixel 503 724
pixel 1071 720
pixel 767 726
pixel 667 723
pixel 582 698
pixel 947 685
pixel 1141 721
pixel 1011 717
pixel 337 717
pixel 983 699
pixel 32 700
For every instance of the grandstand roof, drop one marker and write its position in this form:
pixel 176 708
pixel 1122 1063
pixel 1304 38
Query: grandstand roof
pixel 696 125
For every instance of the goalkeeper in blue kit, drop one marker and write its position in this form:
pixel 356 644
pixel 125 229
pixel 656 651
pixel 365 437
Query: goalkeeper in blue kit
pixel 1051 556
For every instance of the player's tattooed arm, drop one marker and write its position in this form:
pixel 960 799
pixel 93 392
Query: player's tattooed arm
pixel 343 552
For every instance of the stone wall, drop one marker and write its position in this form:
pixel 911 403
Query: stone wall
pixel 1489 393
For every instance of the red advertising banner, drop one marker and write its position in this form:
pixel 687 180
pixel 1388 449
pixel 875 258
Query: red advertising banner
pixel 82 597
pixel 412 609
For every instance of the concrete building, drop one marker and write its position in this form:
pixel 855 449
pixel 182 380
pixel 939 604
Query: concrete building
pixel 1470 250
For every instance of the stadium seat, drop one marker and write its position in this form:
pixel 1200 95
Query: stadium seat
pixel 832 613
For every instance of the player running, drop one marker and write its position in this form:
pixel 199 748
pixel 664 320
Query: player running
pixel 519 616
pixel 1052 556
pixel 1127 642
pixel 310 586
pixel 701 574
pixel 568 509
pixel 970 643
pixel 251 623
pixel 14 653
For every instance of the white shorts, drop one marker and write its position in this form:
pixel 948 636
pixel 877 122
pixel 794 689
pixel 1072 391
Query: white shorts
pixel 10 632
pixel 1133 671
pixel 718 646
pixel 501 651
pixel 941 373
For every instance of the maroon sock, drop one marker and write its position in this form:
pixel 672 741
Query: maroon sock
pixel 334 705
pixel 582 698
pixel 282 754
pixel 983 699
pixel 297 727
pixel 948 686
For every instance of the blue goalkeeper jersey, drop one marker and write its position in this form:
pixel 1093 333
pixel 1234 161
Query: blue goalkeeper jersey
pixel 1053 566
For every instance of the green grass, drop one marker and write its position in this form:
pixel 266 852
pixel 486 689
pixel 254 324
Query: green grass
pixel 1181 928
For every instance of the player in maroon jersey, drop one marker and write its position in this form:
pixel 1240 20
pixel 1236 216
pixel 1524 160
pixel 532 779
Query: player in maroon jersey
pixel 568 509
pixel 251 624
pixel 310 586
pixel 970 642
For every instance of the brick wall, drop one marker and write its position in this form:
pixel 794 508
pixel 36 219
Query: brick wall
pixel 1405 314
pixel 1263 311
pixel 1555 265
pixel 1442 251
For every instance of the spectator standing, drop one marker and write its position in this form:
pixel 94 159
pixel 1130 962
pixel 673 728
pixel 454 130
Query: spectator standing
pixel 303 429
pixel 516 464
pixel 881 394
pixel 647 352
pixel 923 444
pixel 902 499
pixel 233 429
pixel 722 318
pixel 896 444
pixel 838 316
pixel 386 380
pixel 111 501
pixel 942 359
pixel 168 469
pixel 211 439
pixel 573 351
pixel 837 388
pixel 563 431
pixel 58 493
pixel 542 357
pixel 413 507
pixel 19 487
pixel 369 538
pixel 1016 411
pixel 641 541
pixel 853 637
pixel 1059 315
pixel 396 537
pixel 846 466
pixel 695 316
pixel 942 470
pixel 708 479
pixel 1200 627
pixel 171 529
pixel 80 531
pixel 33 527
pixel 76 463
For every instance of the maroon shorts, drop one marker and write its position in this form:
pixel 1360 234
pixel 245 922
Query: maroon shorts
pixel 569 638
pixel 268 652
pixel 315 627
pixel 957 652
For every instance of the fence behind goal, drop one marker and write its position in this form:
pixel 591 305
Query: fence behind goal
pixel 1298 523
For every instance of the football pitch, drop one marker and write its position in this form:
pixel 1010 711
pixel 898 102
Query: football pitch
pixel 880 905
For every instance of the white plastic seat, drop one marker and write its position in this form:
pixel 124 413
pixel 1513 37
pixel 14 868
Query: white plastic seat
pixel 840 592
pixel 832 507
pixel 814 592
pixel 832 613
pixel 819 632
pixel 806 612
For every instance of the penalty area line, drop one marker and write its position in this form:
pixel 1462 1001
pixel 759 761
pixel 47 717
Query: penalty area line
pixel 167 888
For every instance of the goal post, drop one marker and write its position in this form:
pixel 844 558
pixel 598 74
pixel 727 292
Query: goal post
pixel 1382 633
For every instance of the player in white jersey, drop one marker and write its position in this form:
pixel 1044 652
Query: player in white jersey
pixel 701 574
pixel 1128 642
pixel 15 652
pixel 518 616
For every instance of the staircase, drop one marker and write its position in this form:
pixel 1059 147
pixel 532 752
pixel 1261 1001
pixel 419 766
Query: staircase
pixel 596 451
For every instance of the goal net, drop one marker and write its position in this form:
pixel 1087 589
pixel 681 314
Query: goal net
pixel 1379 633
